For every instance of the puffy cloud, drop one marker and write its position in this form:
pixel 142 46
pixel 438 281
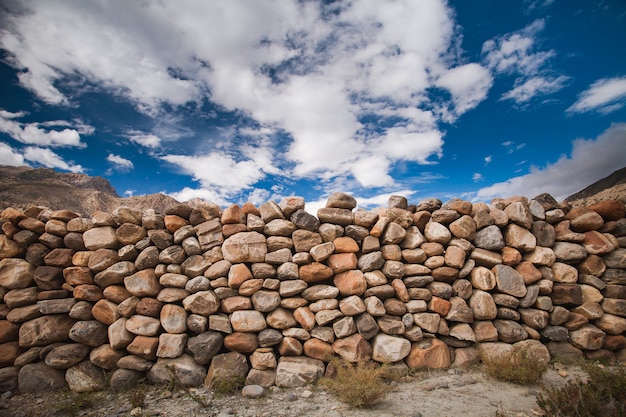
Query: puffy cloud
pixel 590 160
pixel 34 134
pixel 49 159
pixel 120 164
pixel 147 140
pixel 468 85
pixel 605 96
pixel 187 194
pixel 222 172
pixel 9 156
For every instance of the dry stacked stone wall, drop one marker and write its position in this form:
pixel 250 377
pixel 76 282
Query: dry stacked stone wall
pixel 270 294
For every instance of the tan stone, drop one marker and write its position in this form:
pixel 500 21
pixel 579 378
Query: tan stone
pixel 353 348
pixel 105 312
pixel 143 283
pixel 143 346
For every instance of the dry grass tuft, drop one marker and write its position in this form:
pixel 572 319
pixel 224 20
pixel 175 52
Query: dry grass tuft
pixel 360 385
pixel 602 394
pixel 520 368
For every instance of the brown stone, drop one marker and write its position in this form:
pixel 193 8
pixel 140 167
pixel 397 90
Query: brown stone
pixel 566 294
pixel 143 283
pixel 429 353
pixel 77 275
pixel 596 243
pixel 241 342
pixel 143 346
pixel 315 272
pixel 88 293
pixel 609 210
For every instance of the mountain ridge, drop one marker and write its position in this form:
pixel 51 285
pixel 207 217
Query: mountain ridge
pixel 23 186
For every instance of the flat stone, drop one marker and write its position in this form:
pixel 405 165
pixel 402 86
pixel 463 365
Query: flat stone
pixel 45 330
pixel 294 372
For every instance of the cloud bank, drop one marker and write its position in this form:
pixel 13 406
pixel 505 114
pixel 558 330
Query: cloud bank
pixel 589 161
pixel 349 85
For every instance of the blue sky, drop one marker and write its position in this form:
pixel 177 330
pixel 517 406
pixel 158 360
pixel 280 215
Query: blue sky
pixel 245 100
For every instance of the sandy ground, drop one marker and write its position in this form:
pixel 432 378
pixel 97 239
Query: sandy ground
pixel 450 393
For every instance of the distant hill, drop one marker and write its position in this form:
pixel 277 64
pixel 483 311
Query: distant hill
pixel 612 187
pixel 21 187
pixel 25 186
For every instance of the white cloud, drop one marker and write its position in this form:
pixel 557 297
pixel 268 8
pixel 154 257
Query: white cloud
pixel 589 161
pixel 147 140
pixel 514 52
pixel 49 159
pixel 211 196
pixel 468 85
pixel 9 156
pixel 535 86
pixel 605 95
pixel 34 134
pixel 332 66
pixel 477 177
pixel 513 146
pixel 120 164
pixel 488 159
pixel 223 173
pixel 517 54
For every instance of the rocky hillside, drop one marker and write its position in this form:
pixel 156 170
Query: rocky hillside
pixel 24 186
pixel 612 187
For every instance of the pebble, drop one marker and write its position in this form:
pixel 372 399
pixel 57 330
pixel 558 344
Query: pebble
pixel 252 391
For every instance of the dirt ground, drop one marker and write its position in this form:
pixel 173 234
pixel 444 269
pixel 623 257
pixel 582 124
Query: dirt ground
pixel 449 393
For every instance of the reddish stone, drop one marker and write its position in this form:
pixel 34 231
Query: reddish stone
pixel 439 306
pixel 609 210
pixel 241 342
pixel 429 353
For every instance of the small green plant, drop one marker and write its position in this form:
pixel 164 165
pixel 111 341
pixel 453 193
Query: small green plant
pixel 520 368
pixel 227 384
pixel 602 394
pixel 137 396
pixel 360 385
pixel 72 404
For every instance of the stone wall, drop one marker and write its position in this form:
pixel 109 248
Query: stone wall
pixel 272 293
